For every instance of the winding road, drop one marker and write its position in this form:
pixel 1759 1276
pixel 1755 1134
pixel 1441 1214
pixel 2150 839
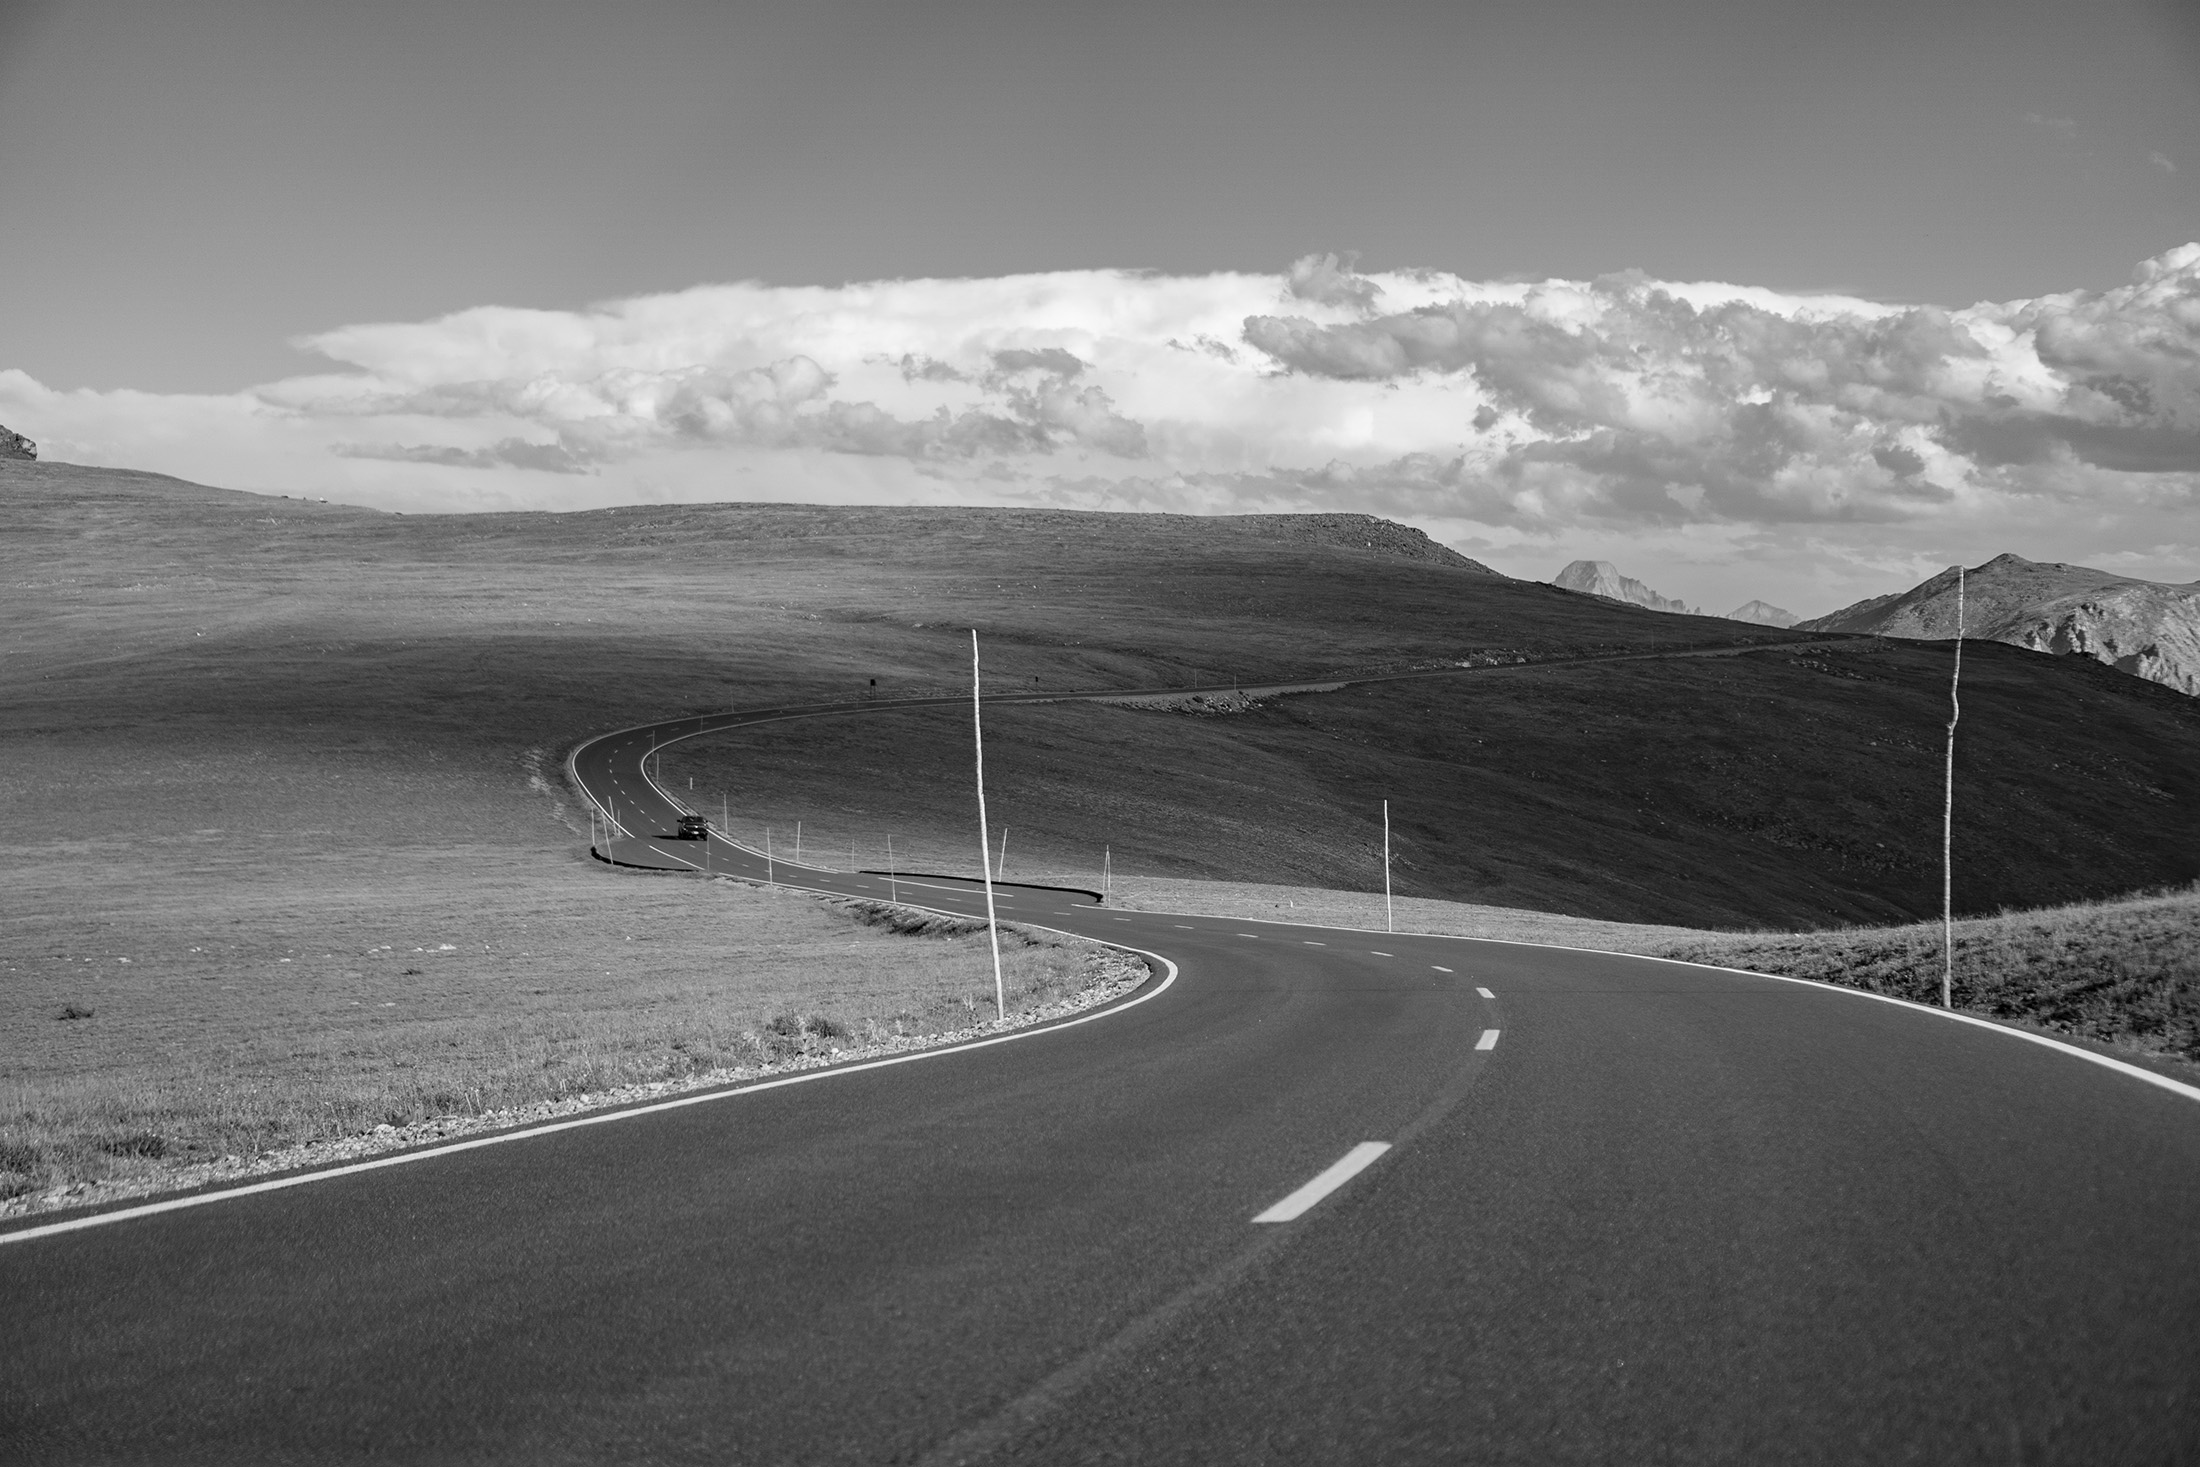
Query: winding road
pixel 1312 1195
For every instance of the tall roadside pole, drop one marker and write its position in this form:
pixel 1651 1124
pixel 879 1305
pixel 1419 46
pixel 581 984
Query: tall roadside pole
pixel 985 839
pixel 1948 821
pixel 1389 923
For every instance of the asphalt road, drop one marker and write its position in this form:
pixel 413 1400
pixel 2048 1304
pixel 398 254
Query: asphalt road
pixel 1629 1212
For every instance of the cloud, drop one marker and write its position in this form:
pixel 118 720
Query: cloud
pixel 1520 413
pixel 1046 359
pixel 1331 280
pixel 2162 161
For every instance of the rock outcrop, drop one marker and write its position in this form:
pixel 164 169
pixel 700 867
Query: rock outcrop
pixel 1602 578
pixel 15 445
pixel 1763 613
pixel 2145 628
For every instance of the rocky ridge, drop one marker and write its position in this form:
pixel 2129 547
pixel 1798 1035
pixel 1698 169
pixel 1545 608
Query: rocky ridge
pixel 15 445
pixel 2146 628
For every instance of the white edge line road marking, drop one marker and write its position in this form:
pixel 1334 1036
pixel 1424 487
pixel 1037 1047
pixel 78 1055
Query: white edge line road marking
pixel 1440 970
pixel 1488 1040
pixel 598 1118
pixel 2163 1082
pixel 1339 1172
pixel 1485 993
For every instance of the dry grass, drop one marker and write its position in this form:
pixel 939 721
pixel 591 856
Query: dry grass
pixel 2125 973
pixel 1365 910
pixel 175 1014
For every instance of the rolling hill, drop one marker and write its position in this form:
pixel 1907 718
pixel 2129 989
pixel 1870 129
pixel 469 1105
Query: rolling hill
pixel 290 674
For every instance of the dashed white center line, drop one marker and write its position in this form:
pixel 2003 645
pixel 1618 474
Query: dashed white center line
pixel 1485 993
pixel 1488 1040
pixel 1440 970
pixel 1343 1170
pixel 1311 943
pixel 1253 935
pixel 1183 927
pixel 1122 919
pixel 1373 953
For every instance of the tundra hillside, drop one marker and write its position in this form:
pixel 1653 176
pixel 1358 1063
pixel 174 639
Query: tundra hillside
pixel 258 727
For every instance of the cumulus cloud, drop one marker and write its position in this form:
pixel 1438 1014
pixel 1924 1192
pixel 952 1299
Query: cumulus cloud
pixel 1331 280
pixel 2163 161
pixel 1539 415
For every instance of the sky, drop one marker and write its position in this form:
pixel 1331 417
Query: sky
pixel 1756 300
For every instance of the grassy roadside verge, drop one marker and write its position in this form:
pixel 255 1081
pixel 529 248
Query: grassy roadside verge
pixel 2124 974
pixel 2121 973
pixel 186 1059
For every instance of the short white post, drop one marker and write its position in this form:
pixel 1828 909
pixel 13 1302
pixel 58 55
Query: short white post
pixel 798 842
pixel 893 894
pixel 1001 874
pixel 985 838
pixel 771 873
pixel 1107 872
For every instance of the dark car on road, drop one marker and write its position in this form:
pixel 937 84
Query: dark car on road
pixel 694 827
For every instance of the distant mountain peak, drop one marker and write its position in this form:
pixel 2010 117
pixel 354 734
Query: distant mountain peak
pixel 1763 613
pixel 1602 578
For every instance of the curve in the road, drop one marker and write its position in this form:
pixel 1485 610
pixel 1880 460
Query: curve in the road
pixel 1629 1210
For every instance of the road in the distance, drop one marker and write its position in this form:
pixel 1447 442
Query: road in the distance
pixel 1630 1211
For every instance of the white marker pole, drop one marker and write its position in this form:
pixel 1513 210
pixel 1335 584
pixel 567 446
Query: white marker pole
pixel 1001 873
pixel 771 874
pixel 1948 822
pixel 798 842
pixel 985 839
pixel 1107 872
pixel 1388 924
pixel 892 894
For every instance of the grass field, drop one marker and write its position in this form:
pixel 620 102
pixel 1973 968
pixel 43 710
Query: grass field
pixel 265 748
pixel 209 1002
